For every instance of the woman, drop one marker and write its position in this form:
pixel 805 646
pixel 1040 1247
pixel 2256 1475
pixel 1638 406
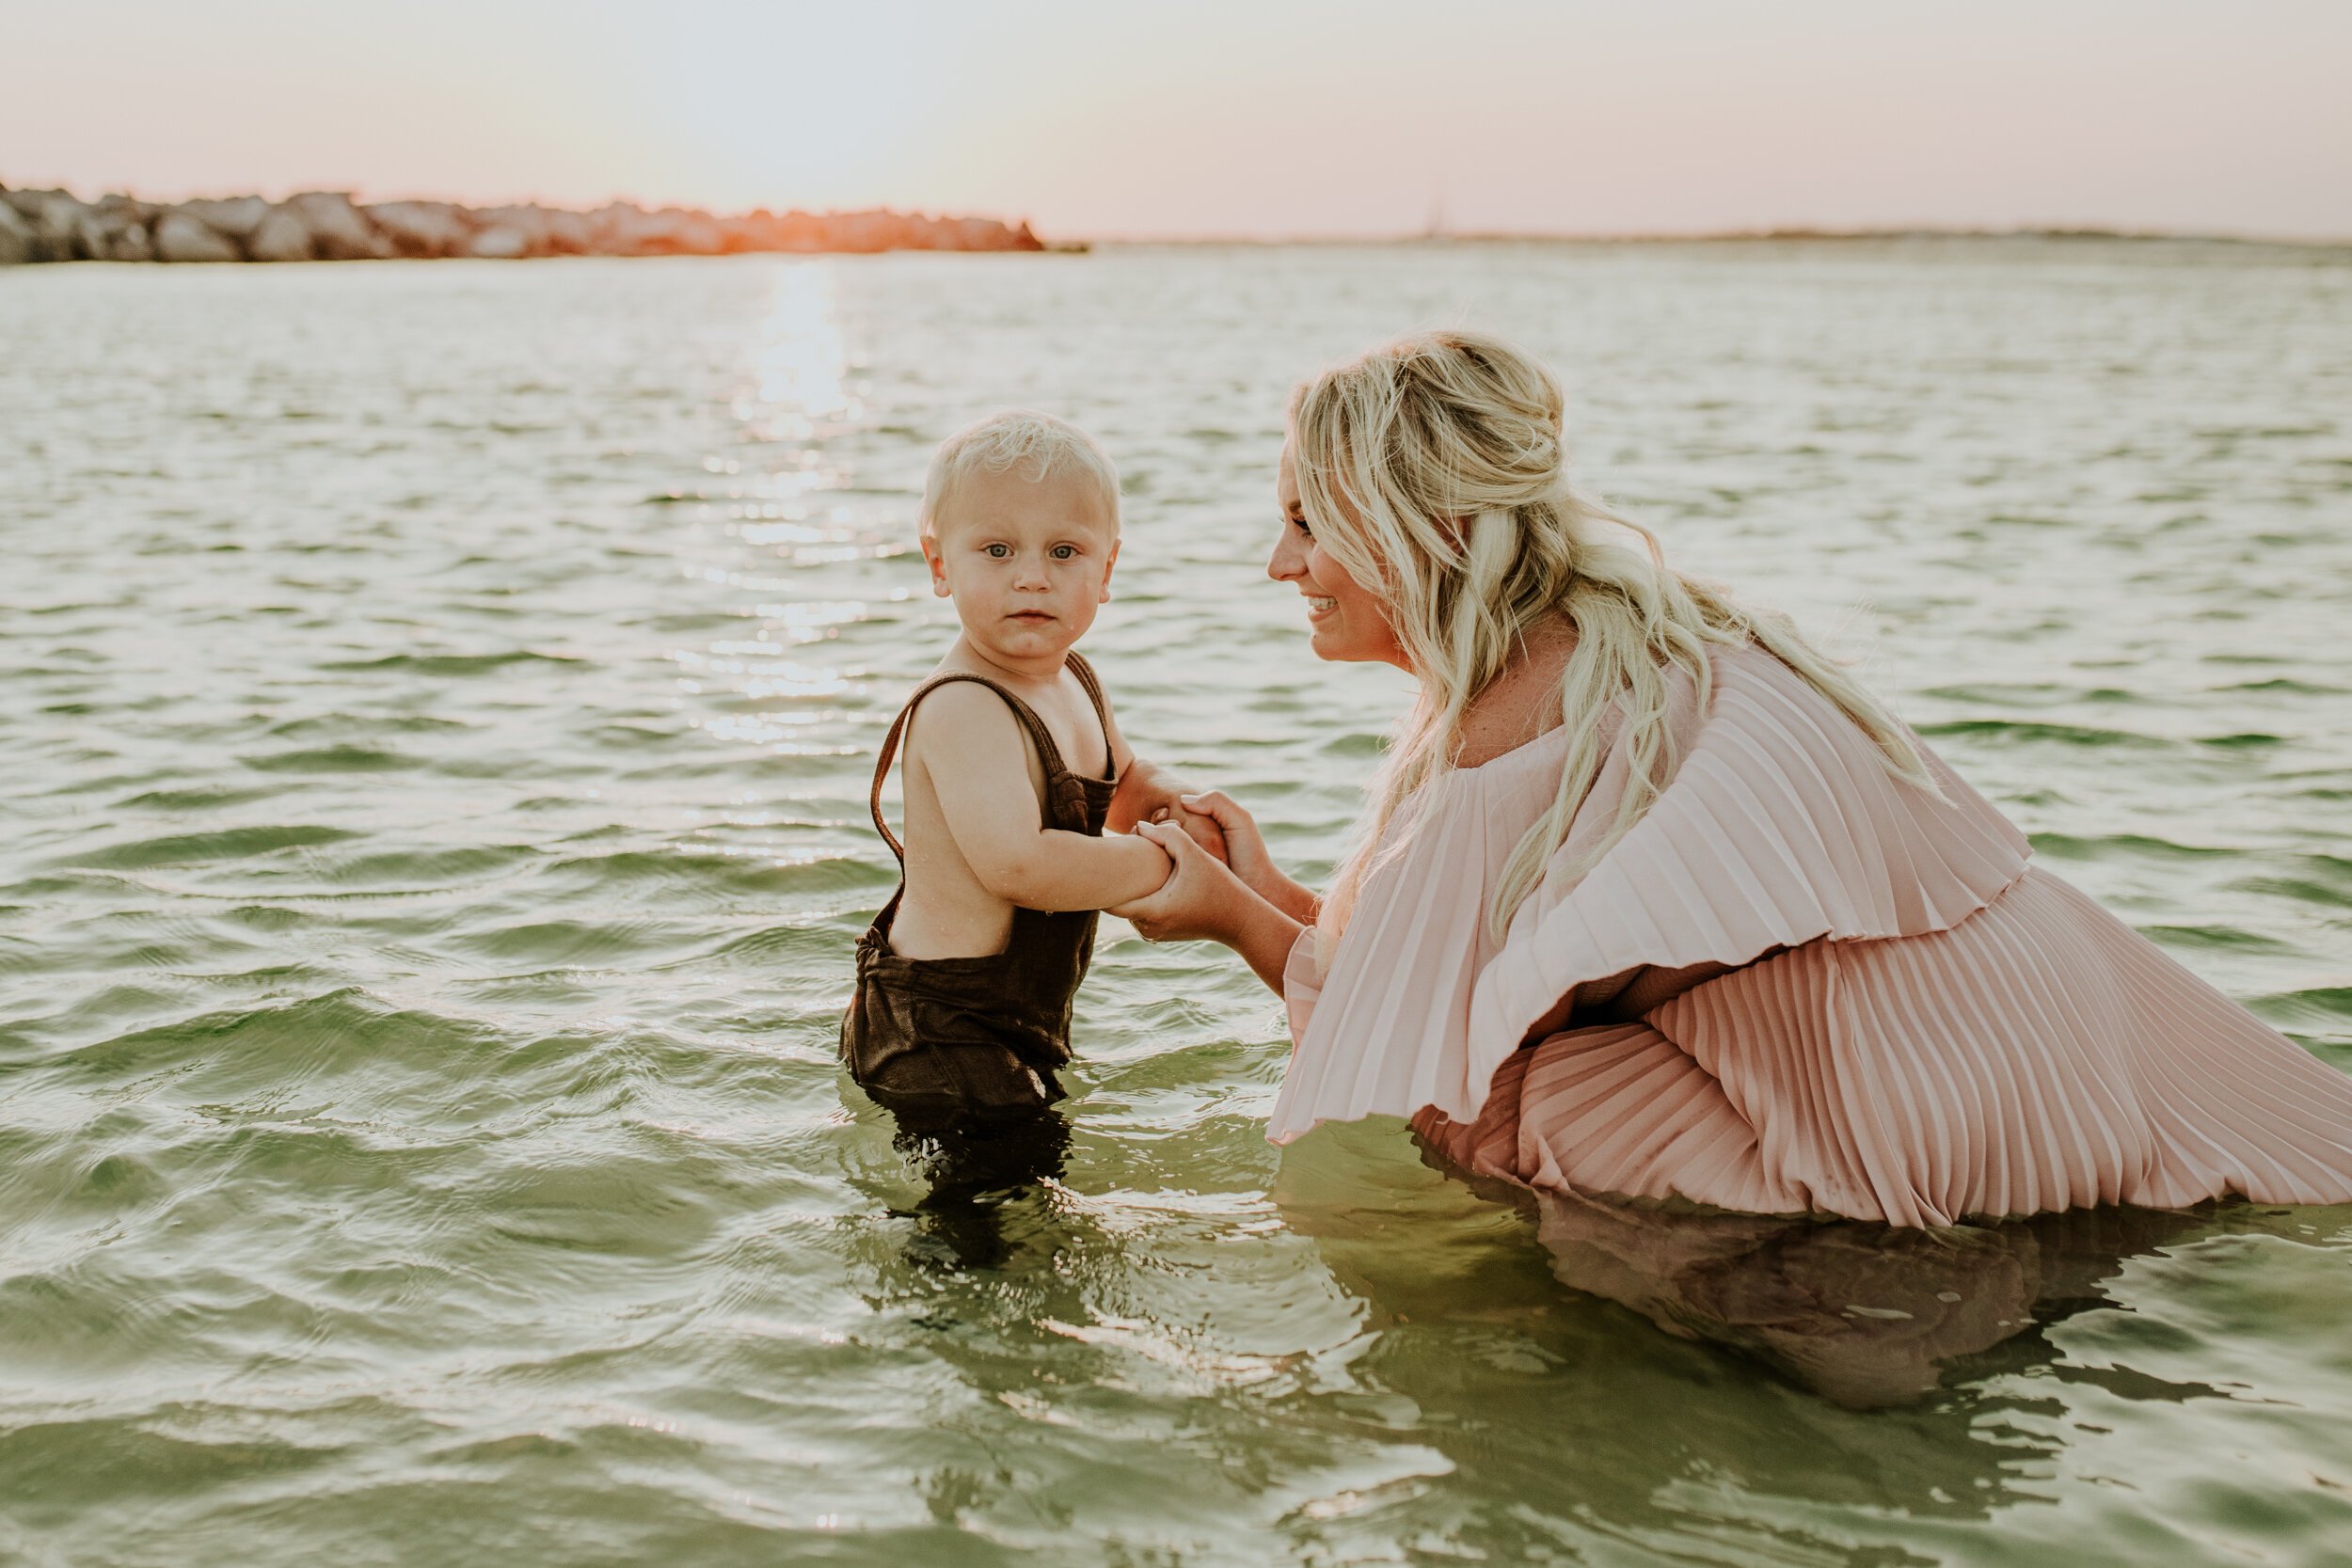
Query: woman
pixel 1654 899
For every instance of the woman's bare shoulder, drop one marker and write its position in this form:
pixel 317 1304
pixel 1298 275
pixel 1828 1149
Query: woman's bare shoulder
pixel 1523 703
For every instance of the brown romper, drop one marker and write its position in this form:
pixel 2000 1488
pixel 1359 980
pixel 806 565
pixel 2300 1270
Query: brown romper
pixel 945 1042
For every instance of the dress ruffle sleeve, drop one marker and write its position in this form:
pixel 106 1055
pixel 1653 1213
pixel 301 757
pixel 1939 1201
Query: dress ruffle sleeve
pixel 1781 825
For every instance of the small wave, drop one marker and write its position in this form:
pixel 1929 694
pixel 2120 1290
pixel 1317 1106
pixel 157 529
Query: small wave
pixel 577 941
pixel 225 843
pixel 729 877
pixel 430 868
pixel 451 664
pixel 346 725
pixel 196 800
pixel 2287 687
pixel 331 759
pixel 2323 1007
pixel 2225 938
pixel 2030 731
pixel 2116 846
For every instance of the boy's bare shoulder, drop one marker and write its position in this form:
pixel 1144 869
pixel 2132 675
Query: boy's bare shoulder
pixel 961 718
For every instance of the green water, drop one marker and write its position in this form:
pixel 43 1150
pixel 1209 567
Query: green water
pixel 436 709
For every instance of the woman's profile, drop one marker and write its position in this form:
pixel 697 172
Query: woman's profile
pixel 1652 899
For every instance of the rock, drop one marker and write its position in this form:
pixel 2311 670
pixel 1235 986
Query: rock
pixel 692 233
pixel 114 210
pixel 529 224
pixel 63 229
pixel 235 216
pixel 625 231
pixel 500 242
pixel 422 227
pixel 53 226
pixel 797 231
pixel 182 236
pixel 282 236
pixel 129 243
pixel 569 233
pixel 16 237
pixel 338 231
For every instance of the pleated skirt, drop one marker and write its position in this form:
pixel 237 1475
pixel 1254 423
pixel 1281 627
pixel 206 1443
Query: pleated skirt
pixel 2038 1055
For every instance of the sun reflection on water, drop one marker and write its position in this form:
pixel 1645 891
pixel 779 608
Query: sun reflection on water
pixel 799 363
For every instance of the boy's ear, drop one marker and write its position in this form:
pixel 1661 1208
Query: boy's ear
pixel 938 566
pixel 1106 597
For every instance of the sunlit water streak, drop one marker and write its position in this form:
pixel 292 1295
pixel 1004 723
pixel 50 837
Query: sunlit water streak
pixel 436 707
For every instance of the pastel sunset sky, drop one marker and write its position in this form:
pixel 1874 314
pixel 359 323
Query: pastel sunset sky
pixel 1245 118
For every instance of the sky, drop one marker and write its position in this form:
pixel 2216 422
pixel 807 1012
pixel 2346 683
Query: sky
pixel 1263 118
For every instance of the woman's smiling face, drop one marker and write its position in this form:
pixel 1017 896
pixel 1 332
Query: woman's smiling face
pixel 1347 620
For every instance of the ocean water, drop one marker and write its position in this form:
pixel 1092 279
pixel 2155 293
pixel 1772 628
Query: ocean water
pixel 436 703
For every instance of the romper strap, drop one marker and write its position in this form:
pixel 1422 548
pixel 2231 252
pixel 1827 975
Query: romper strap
pixel 1049 754
pixel 1085 671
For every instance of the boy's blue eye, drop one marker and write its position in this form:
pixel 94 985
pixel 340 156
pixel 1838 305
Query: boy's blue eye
pixel 1063 552
pixel 999 551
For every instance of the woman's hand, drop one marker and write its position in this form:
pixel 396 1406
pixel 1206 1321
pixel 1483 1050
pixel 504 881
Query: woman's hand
pixel 1148 794
pixel 1245 852
pixel 1198 901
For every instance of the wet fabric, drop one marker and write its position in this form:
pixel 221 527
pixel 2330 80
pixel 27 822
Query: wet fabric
pixel 948 1042
pixel 1798 984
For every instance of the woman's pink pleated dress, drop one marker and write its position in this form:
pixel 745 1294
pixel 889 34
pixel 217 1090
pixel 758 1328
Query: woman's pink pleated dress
pixel 1798 984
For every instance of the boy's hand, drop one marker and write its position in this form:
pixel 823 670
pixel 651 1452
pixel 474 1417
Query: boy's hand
pixel 1149 794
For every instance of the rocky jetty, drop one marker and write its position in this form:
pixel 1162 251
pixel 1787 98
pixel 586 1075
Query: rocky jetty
pixel 328 226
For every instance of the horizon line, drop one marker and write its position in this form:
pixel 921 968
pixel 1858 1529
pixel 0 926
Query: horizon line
pixel 1783 231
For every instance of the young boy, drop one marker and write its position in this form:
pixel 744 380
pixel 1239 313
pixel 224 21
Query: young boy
pixel 961 1013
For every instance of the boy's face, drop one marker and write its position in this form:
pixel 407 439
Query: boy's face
pixel 1026 563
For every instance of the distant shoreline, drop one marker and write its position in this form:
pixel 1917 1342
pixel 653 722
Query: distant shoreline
pixel 37 226
pixel 1753 236
pixel 40 226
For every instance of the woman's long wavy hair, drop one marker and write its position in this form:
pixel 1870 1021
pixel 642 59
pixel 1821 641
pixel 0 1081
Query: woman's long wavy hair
pixel 1431 471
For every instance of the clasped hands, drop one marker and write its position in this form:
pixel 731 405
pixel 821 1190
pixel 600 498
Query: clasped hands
pixel 1215 847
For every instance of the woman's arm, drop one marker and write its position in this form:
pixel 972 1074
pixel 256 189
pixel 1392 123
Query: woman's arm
pixel 1203 900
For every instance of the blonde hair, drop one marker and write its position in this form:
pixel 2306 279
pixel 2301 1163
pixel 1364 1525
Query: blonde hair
pixel 1041 444
pixel 1431 471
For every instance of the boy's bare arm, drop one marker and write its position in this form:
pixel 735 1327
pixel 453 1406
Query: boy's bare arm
pixel 977 756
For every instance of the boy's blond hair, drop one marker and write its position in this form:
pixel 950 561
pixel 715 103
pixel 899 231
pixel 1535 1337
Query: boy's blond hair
pixel 1040 444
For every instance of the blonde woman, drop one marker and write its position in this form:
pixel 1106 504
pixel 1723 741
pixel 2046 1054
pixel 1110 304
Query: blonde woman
pixel 1652 899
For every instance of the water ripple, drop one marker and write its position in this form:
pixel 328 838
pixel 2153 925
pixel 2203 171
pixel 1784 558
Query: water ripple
pixel 438 707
